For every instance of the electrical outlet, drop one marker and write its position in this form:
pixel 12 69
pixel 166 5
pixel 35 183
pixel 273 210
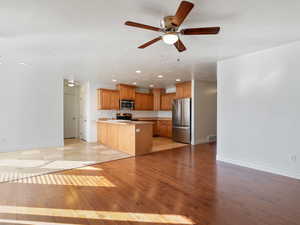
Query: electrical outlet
pixel 293 158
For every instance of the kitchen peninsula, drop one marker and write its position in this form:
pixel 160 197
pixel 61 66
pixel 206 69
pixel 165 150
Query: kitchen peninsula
pixel 131 137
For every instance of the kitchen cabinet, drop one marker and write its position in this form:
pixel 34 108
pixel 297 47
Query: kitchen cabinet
pixel 165 128
pixel 155 128
pixel 184 90
pixel 124 137
pixel 127 92
pixel 107 99
pixel 166 101
pixel 157 93
pixel 143 101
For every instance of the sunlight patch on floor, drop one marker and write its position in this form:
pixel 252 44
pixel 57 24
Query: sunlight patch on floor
pixel 89 168
pixel 74 180
pixel 28 163
pixel 27 222
pixel 99 215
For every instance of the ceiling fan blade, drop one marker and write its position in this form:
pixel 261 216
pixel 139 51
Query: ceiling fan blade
pixel 143 26
pixel 150 42
pixel 182 12
pixel 200 31
pixel 180 46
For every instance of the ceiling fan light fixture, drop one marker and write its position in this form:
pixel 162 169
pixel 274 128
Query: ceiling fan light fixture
pixel 170 38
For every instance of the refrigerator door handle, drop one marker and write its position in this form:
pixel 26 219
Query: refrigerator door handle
pixel 186 128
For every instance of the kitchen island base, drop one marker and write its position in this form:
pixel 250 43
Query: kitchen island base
pixel 134 138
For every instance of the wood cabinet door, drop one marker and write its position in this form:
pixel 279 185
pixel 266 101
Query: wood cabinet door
pixel 149 98
pixel 157 92
pixel 163 103
pixel 115 100
pixel 171 98
pixel 143 101
pixel 105 99
pixel 102 133
pixel 179 91
pixel 187 90
pixel 139 101
pixel 165 128
pixel 127 92
pixel 184 90
pixel 166 101
pixel 169 132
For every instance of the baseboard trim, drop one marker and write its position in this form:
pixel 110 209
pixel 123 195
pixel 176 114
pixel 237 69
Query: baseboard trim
pixel 260 167
pixel 201 141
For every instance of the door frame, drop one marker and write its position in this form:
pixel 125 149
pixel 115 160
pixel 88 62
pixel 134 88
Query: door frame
pixel 79 114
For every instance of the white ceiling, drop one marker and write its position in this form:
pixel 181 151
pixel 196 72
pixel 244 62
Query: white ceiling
pixel 87 39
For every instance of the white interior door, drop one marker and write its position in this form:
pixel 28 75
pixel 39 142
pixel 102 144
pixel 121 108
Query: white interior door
pixel 70 116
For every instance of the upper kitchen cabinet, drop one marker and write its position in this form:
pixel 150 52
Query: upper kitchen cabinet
pixel 143 101
pixel 157 93
pixel 107 99
pixel 184 90
pixel 127 92
pixel 166 101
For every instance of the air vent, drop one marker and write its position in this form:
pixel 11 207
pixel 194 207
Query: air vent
pixel 212 138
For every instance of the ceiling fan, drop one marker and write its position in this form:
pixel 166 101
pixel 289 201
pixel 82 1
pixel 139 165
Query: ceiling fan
pixel 170 26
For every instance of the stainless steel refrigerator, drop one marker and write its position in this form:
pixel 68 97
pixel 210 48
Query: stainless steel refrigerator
pixel 181 119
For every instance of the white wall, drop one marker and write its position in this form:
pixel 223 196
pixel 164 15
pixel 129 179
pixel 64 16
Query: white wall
pixel 204 111
pixel 259 108
pixel 31 114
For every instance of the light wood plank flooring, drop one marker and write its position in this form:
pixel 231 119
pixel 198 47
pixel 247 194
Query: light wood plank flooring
pixel 182 186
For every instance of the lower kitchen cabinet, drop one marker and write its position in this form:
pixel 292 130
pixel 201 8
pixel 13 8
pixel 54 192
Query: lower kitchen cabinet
pixel 165 128
pixel 155 128
pixel 161 128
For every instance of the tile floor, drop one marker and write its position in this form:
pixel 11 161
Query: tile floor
pixel 75 154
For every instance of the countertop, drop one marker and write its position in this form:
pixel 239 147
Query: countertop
pixel 152 118
pixel 141 118
pixel 125 122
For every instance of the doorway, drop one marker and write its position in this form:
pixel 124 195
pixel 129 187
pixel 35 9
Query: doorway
pixel 74 110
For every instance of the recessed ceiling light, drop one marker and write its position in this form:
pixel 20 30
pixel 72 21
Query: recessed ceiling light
pixel 134 83
pixel 22 63
pixel 178 80
pixel 138 71
pixel 160 76
pixel 114 80
pixel 151 85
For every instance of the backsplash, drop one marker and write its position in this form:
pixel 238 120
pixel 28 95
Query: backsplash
pixel 112 113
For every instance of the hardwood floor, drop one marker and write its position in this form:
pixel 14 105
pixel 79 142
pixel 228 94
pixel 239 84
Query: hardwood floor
pixel 181 186
pixel 163 143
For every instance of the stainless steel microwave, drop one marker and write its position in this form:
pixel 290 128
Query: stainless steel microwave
pixel 127 104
